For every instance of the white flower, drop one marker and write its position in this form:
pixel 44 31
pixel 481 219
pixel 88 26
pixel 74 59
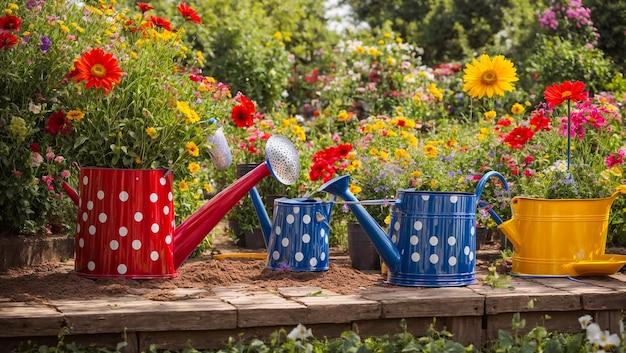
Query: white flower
pixel 584 321
pixel 34 108
pixel 608 340
pixel 300 332
pixel 593 333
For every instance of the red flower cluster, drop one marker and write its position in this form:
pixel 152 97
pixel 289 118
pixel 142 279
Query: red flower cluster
pixel 519 137
pixel 188 13
pixel 9 24
pixel 327 162
pixel 58 124
pixel 243 114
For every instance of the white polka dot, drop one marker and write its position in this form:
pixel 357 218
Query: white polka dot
pixel 90 205
pixel 425 197
pixel 454 199
pixel 394 238
pixel 114 245
pixel 100 195
pixel 91 265
pixel 77 227
pixel 306 219
pixel 278 230
pixel 154 256
pixel 275 255
pixel 85 180
pixel 162 181
pixel 433 240
pixel 285 242
pixel 433 259
pixel 136 244
pixel 323 256
pixel 451 241
pixel 290 219
pixel 452 261
pixel 299 256
pixel 92 230
pixel 166 210
pixel 323 232
pixel 154 197
pixel 168 239
pixel 155 228
pixel 466 250
pixel 471 256
pixel 123 196
pixel 123 231
pixel 415 257
pixel 418 225
pixel 313 262
pixel 138 216
pixel 85 216
pixel 414 239
pixel 472 231
pixel 326 240
pixel 170 196
pixel 306 238
pixel 296 210
pixel 121 269
pixel 396 226
pixel 102 217
pixel 81 242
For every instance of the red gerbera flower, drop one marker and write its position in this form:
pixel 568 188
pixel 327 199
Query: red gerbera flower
pixel 10 23
pixel 99 69
pixel 539 121
pixel 247 103
pixel 57 123
pixel 188 13
pixel 7 40
pixel 160 22
pixel 242 116
pixel 518 137
pixel 556 94
pixel 144 7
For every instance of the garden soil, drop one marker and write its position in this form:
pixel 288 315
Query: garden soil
pixel 196 278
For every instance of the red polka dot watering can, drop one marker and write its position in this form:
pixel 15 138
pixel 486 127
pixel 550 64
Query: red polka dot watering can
pixel 432 235
pixel 125 226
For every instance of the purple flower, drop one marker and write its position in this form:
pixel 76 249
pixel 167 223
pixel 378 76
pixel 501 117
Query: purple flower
pixel 45 44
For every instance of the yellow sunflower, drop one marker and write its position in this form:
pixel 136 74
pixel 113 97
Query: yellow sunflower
pixel 489 78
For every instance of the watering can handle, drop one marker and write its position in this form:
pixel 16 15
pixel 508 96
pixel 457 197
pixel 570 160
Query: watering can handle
pixel 485 179
pixel 479 190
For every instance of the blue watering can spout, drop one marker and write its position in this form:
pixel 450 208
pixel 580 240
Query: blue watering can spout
pixel 383 244
pixel 264 219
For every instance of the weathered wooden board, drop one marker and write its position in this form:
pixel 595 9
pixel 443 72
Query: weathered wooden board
pixel 525 295
pixel 26 319
pixel 339 309
pixel 263 308
pixel 405 302
pixel 131 314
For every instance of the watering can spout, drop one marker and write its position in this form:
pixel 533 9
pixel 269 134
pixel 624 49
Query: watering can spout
pixel 386 249
pixel 264 220
pixel 71 193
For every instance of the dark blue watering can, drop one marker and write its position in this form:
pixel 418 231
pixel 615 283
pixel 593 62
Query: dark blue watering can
pixel 298 239
pixel 432 235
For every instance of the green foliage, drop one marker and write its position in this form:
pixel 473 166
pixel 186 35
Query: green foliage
pixel 556 60
pixel 609 17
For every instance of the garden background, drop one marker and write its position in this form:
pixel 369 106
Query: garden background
pixel 384 102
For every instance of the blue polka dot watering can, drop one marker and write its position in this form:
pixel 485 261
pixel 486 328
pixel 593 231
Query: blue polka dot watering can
pixel 298 238
pixel 432 235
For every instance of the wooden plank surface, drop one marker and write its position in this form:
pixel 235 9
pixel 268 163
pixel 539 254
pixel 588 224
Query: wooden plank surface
pixel 132 314
pixel 526 295
pixel 404 302
pixel 264 308
pixel 27 319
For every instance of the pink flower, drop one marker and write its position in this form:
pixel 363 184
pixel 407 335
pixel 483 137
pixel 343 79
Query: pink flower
pixel 36 159
pixel 59 159
pixel 66 173
pixel 48 179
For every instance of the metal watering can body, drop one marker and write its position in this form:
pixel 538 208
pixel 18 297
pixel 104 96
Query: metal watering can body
pixel 126 228
pixel 298 238
pixel 432 235
pixel 560 237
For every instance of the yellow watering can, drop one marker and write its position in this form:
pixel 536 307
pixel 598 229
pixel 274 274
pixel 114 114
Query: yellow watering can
pixel 560 237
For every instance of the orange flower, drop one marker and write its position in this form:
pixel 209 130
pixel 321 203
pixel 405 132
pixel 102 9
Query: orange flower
pixel 99 69
pixel 567 91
